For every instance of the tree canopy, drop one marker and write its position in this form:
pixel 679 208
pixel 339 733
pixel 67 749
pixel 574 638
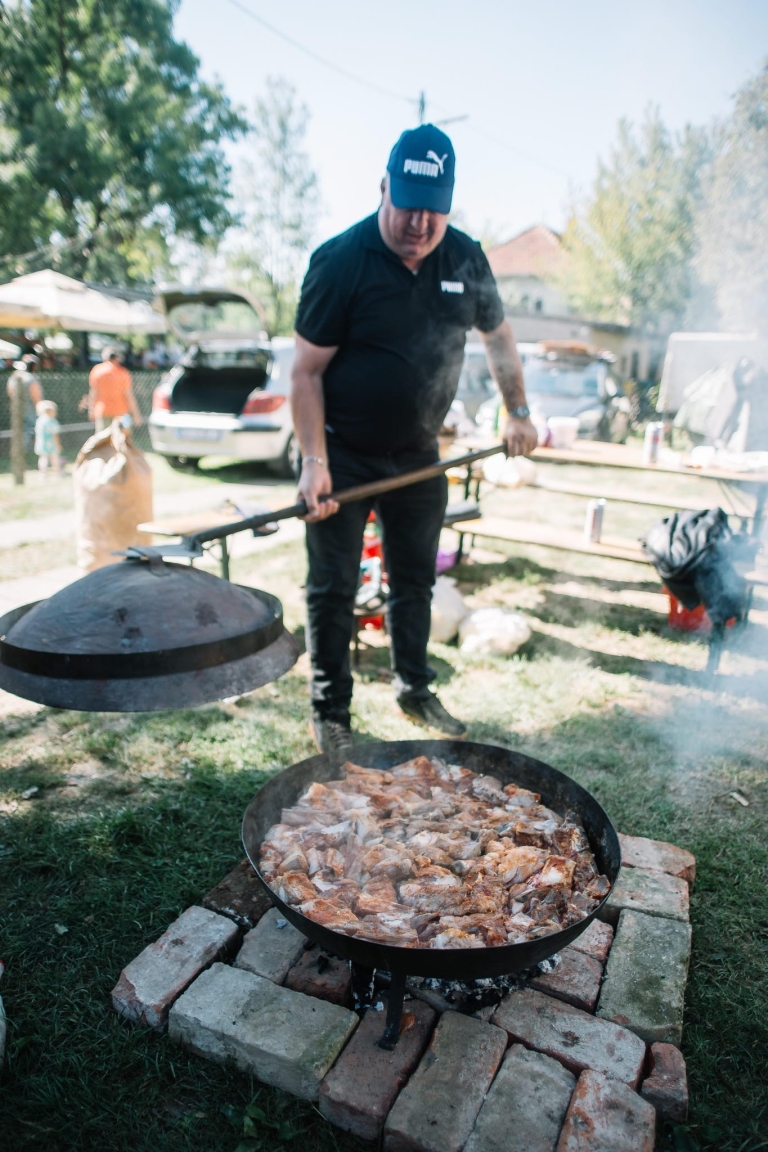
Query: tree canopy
pixel 109 140
pixel 278 202
pixel 630 242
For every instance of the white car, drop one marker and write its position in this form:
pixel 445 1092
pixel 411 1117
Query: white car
pixel 229 394
pixel 567 378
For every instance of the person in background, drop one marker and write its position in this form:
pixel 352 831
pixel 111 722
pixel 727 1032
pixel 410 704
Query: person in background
pixel 47 437
pixel 111 393
pixel 24 378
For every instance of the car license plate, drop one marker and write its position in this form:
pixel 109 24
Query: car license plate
pixel 198 434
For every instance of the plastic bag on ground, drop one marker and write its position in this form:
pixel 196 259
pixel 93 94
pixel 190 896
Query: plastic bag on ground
pixel 509 472
pixel 448 610
pixel 493 632
pixel 113 494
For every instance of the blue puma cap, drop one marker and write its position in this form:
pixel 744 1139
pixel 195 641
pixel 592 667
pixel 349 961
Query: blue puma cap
pixel 422 168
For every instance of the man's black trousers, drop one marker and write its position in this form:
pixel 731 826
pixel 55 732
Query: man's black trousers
pixel 411 519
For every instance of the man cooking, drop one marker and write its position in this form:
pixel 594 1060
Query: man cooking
pixel 380 331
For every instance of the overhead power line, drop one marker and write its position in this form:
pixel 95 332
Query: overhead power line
pixel 419 101
pixel 56 247
pixel 321 59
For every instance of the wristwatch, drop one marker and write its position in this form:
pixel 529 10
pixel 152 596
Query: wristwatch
pixel 522 412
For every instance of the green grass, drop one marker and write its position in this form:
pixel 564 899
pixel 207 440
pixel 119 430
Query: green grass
pixel 137 816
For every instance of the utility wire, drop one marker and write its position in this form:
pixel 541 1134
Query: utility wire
pixel 23 257
pixel 518 151
pixel 386 92
pixel 321 59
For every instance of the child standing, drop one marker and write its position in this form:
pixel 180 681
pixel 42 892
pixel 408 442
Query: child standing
pixel 47 439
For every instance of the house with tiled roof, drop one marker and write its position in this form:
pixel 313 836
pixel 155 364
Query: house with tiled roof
pixel 526 270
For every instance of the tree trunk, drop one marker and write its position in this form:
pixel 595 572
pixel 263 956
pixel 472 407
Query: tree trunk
pixel 18 452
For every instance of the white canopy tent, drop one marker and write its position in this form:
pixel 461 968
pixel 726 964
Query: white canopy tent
pixel 49 300
pixel 15 315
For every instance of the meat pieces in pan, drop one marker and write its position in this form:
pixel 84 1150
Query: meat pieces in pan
pixel 431 855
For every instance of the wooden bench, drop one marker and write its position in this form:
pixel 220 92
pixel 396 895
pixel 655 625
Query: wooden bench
pixel 625 496
pixel 525 532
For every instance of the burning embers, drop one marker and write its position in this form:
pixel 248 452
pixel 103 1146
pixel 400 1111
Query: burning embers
pixel 431 855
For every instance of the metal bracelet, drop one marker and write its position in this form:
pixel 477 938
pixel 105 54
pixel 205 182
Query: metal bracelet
pixel 314 460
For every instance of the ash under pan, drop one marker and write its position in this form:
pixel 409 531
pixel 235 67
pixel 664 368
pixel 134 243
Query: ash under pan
pixel 557 791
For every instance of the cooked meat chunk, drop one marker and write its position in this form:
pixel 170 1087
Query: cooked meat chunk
pixel 453 938
pixel 379 896
pixel 295 888
pixel 434 890
pixel 557 872
pixel 384 929
pixel 514 865
pixel 331 915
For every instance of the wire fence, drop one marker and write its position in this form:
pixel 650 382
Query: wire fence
pixel 67 388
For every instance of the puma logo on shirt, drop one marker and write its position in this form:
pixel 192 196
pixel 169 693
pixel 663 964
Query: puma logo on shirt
pixel 452 286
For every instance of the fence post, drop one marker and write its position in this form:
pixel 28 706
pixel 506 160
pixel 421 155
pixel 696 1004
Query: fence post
pixel 18 447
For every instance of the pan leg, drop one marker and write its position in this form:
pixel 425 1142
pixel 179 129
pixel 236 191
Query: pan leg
pixel 362 987
pixel 394 1012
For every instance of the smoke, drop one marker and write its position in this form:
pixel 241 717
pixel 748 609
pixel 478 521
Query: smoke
pixel 715 729
pixel 732 221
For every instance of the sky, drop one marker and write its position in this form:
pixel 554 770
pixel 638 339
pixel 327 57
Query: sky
pixel 542 86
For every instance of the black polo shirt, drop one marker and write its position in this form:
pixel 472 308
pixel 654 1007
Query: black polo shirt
pixel 400 336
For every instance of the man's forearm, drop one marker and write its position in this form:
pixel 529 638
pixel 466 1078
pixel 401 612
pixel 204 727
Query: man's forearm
pixel 308 406
pixel 506 366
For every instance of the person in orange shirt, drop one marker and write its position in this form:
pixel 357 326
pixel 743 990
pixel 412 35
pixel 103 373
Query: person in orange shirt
pixel 111 393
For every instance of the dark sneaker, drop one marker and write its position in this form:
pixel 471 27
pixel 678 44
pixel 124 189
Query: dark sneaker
pixel 429 711
pixel 333 738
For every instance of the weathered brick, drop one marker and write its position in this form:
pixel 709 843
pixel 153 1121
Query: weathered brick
pixel 271 948
pixel 436 1110
pixel 637 852
pixel 642 890
pixel 606 1116
pixel 525 1106
pixel 239 896
pixel 573 1037
pixel 316 973
pixel 149 985
pixel 281 1037
pixel 576 979
pixel 645 976
pixel 595 941
pixel 667 1085
pixel 360 1089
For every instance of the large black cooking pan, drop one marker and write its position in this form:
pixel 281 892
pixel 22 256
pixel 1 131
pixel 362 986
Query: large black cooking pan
pixel 557 791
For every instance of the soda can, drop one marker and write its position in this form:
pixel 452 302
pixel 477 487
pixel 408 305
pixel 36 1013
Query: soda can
pixel 593 525
pixel 654 434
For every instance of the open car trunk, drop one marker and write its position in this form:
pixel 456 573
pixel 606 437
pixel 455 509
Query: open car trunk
pixel 225 390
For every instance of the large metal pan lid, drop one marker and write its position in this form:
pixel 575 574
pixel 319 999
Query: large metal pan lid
pixel 135 637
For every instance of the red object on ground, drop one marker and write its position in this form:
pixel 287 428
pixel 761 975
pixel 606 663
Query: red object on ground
pixel 372 546
pixel 687 619
pixel 690 619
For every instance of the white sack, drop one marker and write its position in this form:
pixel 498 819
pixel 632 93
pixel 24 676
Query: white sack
pixel 113 493
pixel 493 631
pixel 448 610
pixel 509 472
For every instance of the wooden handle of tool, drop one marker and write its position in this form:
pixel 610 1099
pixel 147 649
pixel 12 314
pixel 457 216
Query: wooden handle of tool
pixel 347 495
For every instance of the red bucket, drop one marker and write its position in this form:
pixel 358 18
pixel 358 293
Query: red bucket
pixel 684 619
